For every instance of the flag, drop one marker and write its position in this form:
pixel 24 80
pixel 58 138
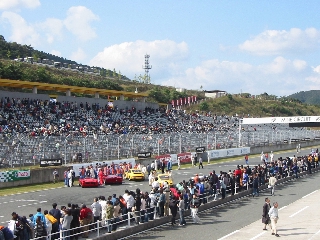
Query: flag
pixel 188 100
pixel 172 102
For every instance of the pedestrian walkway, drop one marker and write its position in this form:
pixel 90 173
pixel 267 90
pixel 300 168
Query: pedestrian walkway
pixel 299 220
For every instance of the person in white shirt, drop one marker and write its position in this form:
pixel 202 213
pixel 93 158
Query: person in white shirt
pixel 129 200
pixel 151 177
pixel 273 214
pixel 103 204
pixel 179 163
pixel 272 183
pixel 96 209
pixel 271 156
pixel 155 183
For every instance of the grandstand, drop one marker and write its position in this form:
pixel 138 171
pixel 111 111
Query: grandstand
pixel 33 127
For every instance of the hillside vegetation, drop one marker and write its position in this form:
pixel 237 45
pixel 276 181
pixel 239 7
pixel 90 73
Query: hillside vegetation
pixel 232 105
pixel 309 97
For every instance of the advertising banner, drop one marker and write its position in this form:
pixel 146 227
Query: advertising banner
pixel 185 157
pixel 228 152
pixel 14 175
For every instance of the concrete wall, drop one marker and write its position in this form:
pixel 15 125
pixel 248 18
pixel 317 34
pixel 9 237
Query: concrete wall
pixel 282 147
pixel 41 175
pixel 121 104
pixel 21 95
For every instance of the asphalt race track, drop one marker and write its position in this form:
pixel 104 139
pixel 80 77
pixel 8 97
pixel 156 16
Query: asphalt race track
pixel 216 222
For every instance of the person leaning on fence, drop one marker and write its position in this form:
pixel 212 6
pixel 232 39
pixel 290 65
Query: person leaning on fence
pixel 40 231
pixel 85 218
pixel 109 216
pixel 66 224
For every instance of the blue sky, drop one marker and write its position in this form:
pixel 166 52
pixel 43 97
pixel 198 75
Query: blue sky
pixel 236 46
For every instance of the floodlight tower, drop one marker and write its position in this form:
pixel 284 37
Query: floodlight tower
pixel 146 68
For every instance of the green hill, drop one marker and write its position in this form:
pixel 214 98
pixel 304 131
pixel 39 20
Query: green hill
pixel 308 97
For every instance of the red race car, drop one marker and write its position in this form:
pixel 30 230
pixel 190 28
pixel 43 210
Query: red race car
pixel 112 179
pixel 88 182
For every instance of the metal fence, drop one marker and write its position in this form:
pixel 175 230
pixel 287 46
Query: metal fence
pixel 24 150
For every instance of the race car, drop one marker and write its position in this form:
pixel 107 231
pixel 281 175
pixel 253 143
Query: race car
pixel 135 174
pixel 88 182
pixel 162 178
pixel 112 179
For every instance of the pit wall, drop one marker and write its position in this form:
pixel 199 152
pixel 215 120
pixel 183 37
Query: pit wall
pixel 45 175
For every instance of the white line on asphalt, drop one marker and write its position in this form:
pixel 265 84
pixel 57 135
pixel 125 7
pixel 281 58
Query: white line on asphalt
pixel 230 234
pixel 314 235
pixel 282 208
pixel 299 211
pixel 1 216
pixel 309 194
pixel 260 234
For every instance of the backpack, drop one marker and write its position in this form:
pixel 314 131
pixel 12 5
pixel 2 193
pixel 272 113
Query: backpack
pixel 40 230
pixel 2 235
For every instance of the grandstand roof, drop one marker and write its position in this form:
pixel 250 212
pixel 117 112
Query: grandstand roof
pixel 64 88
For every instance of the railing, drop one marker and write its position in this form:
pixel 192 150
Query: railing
pixel 125 220
pixel 28 150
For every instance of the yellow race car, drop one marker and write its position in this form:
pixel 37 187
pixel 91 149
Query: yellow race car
pixel 162 178
pixel 134 174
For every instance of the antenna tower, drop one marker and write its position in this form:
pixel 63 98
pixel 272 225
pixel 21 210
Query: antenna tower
pixel 146 67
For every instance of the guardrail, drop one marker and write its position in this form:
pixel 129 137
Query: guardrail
pixel 125 222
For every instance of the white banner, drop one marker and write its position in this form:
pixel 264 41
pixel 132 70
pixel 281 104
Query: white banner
pixel 24 174
pixel 228 152
pixel 295 119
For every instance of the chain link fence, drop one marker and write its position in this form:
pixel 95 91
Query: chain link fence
pixel 24 150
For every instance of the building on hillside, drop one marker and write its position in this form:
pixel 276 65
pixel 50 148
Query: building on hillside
pixel 215 93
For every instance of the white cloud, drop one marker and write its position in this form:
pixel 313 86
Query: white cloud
pixel 56 53
pixel 22 32
pixel 280 77
pixel 78 55
pixel 165 56
pixel 52 27
pixel 281 65
pixel 274 42
pixel 316 69
pixel 78 22
pixel 9 4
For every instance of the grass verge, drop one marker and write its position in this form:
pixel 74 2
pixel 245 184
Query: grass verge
pixel 29 188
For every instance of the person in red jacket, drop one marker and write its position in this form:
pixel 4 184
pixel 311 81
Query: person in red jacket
pixel 85 218
pixel 100 176
pixel 237 174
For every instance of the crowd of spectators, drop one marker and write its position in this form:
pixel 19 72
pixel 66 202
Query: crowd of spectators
pixel 37 117
pixel 142 206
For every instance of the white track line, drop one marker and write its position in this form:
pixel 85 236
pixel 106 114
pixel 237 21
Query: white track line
pixel 259 235
pixel 314 235
pixel 299 211
pixel 230 234
pixel 310 194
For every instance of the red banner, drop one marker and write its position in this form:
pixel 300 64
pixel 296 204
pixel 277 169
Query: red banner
pixel 181 100
pixel 177 102
pixel 185 101
pixel 165 157
pixel 172 102
pixel 188 100
pixel 195 98
pixel 185 157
